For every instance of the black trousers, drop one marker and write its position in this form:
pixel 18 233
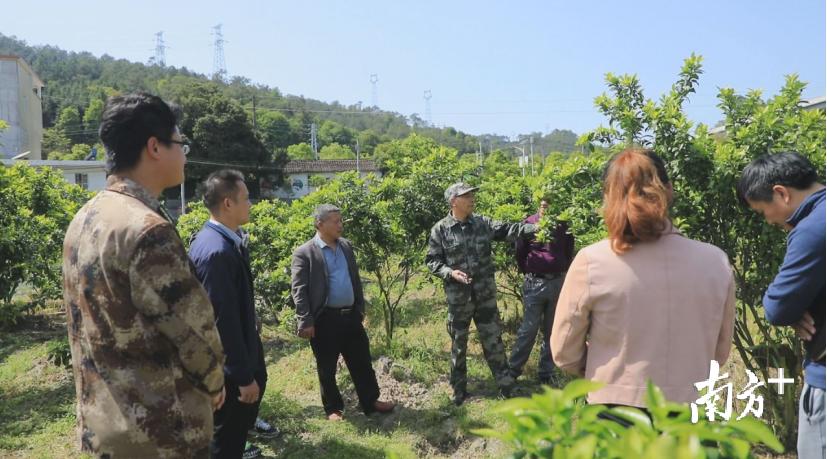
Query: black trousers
pixel 233 420
pixel 343 334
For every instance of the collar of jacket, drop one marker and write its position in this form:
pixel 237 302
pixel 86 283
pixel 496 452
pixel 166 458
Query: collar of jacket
pixel 131 188
pixel 453 221
pixel 239 241
pixel 806 207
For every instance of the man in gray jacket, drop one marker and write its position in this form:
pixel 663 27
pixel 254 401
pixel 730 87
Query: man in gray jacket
pixel 330 306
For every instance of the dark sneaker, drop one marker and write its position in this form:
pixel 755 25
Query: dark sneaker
pixel 506 391
pixel 459 397
pixel 264 429
pixel 553 380
pixel 251 451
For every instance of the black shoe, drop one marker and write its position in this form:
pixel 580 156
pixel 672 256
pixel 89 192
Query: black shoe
pixel 251 451
pixel 264 429
pixel 459 397
pixel 506 391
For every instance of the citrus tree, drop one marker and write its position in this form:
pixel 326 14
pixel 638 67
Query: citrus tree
pixel 36 207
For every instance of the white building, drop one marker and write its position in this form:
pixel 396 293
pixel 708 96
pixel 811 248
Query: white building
pixel 21 91
pixel 90 175
pixel 300 176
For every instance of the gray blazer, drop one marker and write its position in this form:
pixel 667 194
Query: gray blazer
pixel 309 286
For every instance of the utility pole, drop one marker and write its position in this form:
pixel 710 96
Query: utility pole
pixel 314 141
pixel 255 124
pixel 219 66
pixel 479 155
pixel 531 145
pixel 358 151
pixel 374 78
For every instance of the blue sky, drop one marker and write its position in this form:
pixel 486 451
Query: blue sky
pixel 502 67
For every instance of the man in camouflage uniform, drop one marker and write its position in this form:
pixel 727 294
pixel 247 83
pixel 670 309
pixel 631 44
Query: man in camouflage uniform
pixel 459 252
pixel 146 355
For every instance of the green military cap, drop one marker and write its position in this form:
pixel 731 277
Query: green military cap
pixel 459 189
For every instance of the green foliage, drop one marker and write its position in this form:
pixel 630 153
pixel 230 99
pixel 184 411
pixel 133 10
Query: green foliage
pixel 398 156
pixel 36 206
pixel 92 117
pixel 55 143
pixel 300 151
pixel 59 353
pixel 79 151
pixel 336 151
pixel 275 131
pixel 574 186
pixel 558 424
pixel 332 132
pixel 508 198
pixel 221 133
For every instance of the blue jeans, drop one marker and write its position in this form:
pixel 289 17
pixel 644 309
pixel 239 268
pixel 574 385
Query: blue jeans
pixel 539 301
pixel 811 423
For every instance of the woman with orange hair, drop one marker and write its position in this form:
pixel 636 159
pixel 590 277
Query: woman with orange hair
pixel 647 302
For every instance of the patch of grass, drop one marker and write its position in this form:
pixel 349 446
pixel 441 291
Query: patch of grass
pixel 37 407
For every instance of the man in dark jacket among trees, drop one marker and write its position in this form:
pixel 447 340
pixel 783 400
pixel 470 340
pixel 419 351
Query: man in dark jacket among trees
pixel 222 262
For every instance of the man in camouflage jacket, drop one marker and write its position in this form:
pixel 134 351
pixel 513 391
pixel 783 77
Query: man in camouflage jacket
pixel 146 355
pixel 459 252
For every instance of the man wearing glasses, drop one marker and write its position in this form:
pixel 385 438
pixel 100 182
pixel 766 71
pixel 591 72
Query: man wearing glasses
pixel 146 355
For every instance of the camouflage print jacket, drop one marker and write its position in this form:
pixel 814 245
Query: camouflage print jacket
pixel 145 351
pixel 467 247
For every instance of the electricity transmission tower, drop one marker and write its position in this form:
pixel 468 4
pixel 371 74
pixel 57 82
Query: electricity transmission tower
pixel 427 97
pixel 374 78
pixel 160 50
pixel 219 67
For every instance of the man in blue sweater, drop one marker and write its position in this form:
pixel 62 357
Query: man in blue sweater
pixel 222 264
pixel 784 188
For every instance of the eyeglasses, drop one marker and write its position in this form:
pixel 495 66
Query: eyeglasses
pixel 185 146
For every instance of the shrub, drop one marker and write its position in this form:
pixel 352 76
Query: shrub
pixel 558 424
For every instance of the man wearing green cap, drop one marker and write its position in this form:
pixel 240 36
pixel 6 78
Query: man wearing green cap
pixel 459 252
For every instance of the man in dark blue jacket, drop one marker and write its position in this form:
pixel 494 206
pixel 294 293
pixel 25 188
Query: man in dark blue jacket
pixel 222 264
pixel 784 188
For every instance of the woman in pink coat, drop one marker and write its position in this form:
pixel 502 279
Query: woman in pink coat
pixel 647 302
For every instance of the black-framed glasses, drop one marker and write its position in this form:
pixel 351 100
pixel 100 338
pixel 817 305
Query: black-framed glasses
pixel 185 146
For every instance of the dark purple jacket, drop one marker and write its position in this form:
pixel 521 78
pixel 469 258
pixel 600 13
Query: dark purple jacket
pixel 546 258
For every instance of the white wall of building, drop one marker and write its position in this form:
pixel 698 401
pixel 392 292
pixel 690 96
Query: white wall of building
pixel 93 172
pixel 20 108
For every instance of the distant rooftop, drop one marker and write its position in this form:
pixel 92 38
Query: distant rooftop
pixel 328 165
